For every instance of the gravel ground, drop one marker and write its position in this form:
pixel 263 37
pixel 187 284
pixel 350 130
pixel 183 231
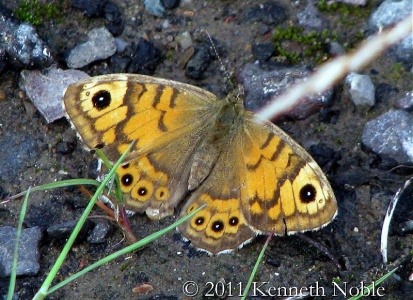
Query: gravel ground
pixel 34 153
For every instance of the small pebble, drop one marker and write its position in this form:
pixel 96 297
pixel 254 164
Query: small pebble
pixel 185 40
pixel 24 47
pixel 63 230
pixel 198 64
pixel 404 53
pixel 391 134
pixel 406 102
pixel 386 93
pixel 311 18
pixel 100 45
pixel 388 13
pixel 28 253
pixel 90 8
pixel 114 16
pixel 170 4
pixel 261 85
pixel 270 13
pixel 335 48
pixel 64 147
pixel 361 90
pixel 46 90
pixel 263 51
pixel 142 58
pixel 154 7
pixel 17 153
pixel 100 232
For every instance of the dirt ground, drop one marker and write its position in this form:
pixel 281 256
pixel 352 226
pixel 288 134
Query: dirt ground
pixel 362 185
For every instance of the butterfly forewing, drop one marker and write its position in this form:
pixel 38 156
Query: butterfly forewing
pixel 167 121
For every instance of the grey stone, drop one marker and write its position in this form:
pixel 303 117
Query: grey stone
pixel 100 45
pixel 100 232
pixel 389 13
pixel 262 85
pixel 17 152
pixel 22 43
pixel 62 231
pixel 311 18
pixel 361 89
pixel 185 40
pixel 404 53
pixel 406 102
pixel 46 90
pixel 335 48
pixel 28 253
pixel 270 13
pixel 154 7
pixel 391 134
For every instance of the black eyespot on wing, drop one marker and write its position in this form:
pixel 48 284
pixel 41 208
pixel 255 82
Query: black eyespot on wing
pixel 233 221
pixel 142 191
pixel 127 179
pixel 308 193
pixel 101 99
pixel 199 221
pixel 217 226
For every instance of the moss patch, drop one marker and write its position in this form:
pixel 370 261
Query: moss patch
pixel 308 45
pixel 36 13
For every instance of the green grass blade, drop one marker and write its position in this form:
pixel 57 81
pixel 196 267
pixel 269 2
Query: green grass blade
pixel 43 291
pixel 59 184
pixel 371 286
pixel 125 250
pixel 118 192
pixel 255 269
pixel 13 274
pixel 104 159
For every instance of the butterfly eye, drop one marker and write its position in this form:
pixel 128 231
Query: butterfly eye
pixel 101 99
pixel 217 226
pixel 308 193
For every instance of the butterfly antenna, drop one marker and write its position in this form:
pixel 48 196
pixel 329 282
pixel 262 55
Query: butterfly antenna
pixel 223 68
pixel 217 54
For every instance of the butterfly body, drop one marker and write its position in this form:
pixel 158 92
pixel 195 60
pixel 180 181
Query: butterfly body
pixel 193 149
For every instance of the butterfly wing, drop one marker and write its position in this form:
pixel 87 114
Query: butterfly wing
pixel 166 119
pixel 283 189
pixel 263 181
pixel 221 225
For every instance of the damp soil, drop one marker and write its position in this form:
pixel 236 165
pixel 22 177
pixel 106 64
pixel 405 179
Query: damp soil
pixel 362 185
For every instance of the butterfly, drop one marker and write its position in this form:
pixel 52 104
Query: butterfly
pixel 193 149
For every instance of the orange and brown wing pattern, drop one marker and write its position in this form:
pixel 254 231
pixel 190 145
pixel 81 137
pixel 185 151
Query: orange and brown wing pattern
pixel 156 182
pixel 166 119
pixel 220 226
pixel 282 188
pixel 111 111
